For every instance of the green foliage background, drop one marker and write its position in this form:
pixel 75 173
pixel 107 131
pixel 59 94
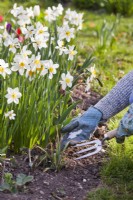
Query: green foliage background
pixel 124 7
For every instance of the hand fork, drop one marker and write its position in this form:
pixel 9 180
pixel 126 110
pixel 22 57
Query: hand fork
pixel 97 145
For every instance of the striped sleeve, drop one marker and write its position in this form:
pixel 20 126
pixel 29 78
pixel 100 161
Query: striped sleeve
pixel 118 98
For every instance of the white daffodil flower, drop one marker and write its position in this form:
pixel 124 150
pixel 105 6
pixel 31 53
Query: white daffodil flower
pixel 13 95
pixel 23 19
pixel 71 52
pixel 30 12
pixel 25 52
pixel 65 32
pixel 74 18
pixel 88 84
pixel 17 10
pixel 57 11
pixel 41 30
pixel 51 68
pixel 66 80
pixel 52 13
pixel 20 64
pixel 35 62
pixel 78 20
pixel 43 70
pixel 48 15
pixel 28 31
pixel 12 43
pixel 30 74
pixel 4 68
pixel 5 34
pixel 93 72
pixel 39 42
pixel 61 47
pixel 10 114
pixel 69 14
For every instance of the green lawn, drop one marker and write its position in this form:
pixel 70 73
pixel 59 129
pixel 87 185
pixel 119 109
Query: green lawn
pixel 112 62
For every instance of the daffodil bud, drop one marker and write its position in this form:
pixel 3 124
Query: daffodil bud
pixel 36 10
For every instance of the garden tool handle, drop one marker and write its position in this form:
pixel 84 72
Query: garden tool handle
pixel 111 134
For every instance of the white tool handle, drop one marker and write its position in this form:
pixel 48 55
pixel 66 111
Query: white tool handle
pixel 111 134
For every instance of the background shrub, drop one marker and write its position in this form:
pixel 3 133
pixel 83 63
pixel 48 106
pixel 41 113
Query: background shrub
pixel 124 7
pixel 87 4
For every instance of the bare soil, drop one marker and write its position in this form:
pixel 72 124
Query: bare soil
pixel 73 182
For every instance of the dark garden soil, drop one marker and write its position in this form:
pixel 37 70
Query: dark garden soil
pixel 73 182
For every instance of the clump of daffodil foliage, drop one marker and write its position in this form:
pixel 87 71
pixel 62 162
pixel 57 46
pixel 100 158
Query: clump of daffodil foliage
pixel 37 73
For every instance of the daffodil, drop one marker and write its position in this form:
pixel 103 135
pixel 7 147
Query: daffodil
pixel 65 32
pixel 12 43
pixel 41 30
pixel 88 84
pixel 28 31
pixel 71 52
pixel 35 62
pixel 13 95
pixel 10 114
pixel 61 47
pixel 66 80
pixel 92 70
pixel 48 15
pixel 25 52
pixel 20 64
pixel 4 68
pixel 39 42
pixel 74 18
pixel 51 68
pixel 30 74
pixel 43 70
pixel 36 10
pixel 17 10
pixel 52 13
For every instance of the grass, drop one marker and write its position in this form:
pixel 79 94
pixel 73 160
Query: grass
pixel 105 193
pixel 112 63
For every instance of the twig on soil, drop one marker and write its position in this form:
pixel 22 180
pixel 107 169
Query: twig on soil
pixel 55 196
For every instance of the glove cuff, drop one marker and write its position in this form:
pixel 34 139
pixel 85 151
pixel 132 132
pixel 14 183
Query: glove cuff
pixel 95 113
pixel 121 133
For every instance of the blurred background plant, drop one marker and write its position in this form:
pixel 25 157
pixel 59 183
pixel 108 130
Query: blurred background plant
pixel 106 34
pixel 124 7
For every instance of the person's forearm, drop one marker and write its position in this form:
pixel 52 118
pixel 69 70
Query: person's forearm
pixel 118 98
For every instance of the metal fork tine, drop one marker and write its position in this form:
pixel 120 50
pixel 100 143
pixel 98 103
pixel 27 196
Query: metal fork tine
pixel 96 145
pixel 90 154
pixel 87 143
pixel 88 149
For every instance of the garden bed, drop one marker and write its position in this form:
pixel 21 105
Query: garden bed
pixel 72 182
pixel 76 178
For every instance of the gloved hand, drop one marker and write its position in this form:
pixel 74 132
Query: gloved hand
pixel 81 128
pixel 126 126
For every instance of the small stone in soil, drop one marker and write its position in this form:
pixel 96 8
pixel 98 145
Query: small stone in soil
pixel 84 180
pixel 46 183
pixel 41 192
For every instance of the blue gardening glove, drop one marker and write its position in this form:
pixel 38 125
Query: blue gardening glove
pixel 81 128
pixel 126 126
